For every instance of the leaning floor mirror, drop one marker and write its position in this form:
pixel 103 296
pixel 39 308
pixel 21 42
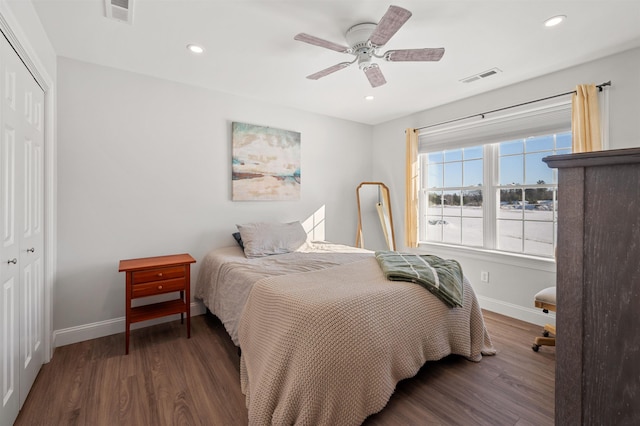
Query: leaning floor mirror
pixel 375 221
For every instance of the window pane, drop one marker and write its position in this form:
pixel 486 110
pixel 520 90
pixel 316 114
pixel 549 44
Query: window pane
pixel 510 204
pixel 513 147
pixel 435 157
pixel 472 173
pixel 434 179
pixel 451 230
pixel 511 170
pixel 472 203
pixel 510 235
pixel 472 234
pixel 563 151
pixel 434 230
pixel 452 175
pixel 536 170
pixel 539 204
pixel 453 155
pixel 474 152
pixel 540 143
pixel 435 204
pixel 452 203
pixel 563 140
pixel 538 238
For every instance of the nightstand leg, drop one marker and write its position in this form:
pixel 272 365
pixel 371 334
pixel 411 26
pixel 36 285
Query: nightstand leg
pixel 188 319
pixel 182 314
pixel 126 351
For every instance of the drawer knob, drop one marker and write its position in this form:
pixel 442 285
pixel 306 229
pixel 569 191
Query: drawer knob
pixel 159 287
pixel 159 274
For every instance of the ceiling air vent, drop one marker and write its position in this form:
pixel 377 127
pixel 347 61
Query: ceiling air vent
pixel 479 76
pixel 120 10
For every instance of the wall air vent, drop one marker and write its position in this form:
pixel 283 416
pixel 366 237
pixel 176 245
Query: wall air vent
pixel 120 10
pixel 479 76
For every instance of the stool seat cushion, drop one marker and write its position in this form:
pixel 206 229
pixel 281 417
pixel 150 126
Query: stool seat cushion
pixel 548 295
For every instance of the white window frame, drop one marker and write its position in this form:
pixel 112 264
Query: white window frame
pixel 520 123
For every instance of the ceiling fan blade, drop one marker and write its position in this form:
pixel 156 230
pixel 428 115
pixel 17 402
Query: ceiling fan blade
pixel 329 70
pixel 404 55
pixel 320 42
pixel 389 25
pixel 375 76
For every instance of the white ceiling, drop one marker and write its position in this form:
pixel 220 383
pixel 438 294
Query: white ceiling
pixel 250 50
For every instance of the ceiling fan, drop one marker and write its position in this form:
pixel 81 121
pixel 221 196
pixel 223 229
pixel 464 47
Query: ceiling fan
pixel 365 39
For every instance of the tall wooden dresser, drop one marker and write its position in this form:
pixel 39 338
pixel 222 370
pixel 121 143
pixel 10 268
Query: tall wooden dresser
pixel 598 288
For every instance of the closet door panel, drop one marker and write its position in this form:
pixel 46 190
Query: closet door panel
pixel 11 157
pixel 32 236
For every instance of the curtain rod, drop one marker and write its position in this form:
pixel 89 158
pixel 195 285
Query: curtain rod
pixel 482 114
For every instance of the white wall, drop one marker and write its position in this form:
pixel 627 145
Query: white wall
pixel 512 287
pixel 145 170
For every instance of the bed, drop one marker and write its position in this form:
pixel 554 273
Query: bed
pixel 324 336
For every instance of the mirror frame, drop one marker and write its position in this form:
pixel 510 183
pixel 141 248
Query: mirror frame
pixel 386 202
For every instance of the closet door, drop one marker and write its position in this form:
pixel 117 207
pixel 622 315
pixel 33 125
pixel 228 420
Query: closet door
pixel 21 232
pixel 31 259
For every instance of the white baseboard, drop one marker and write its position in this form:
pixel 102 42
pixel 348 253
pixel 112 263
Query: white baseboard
pixel 80 333
pixel 67 336
pixel 532 315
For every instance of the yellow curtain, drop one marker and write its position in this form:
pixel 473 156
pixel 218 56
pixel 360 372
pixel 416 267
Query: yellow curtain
pixel 585 119
pixel 411 187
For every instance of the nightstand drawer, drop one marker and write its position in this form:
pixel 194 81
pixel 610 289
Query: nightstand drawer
pixel 157 287
pixel 158 274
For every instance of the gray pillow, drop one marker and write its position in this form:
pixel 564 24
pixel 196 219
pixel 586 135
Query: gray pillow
pixel 264 239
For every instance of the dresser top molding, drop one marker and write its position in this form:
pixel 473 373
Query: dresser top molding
pixel 596 158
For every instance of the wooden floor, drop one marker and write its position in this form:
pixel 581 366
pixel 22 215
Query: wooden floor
pixel 169 380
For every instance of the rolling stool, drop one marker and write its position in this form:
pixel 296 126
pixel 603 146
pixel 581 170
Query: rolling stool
pixel 546 300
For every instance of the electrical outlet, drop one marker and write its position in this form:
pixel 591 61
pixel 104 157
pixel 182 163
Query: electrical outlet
pixel 484 276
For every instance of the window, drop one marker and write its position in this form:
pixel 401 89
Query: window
pixel 483 183
pixel 498 196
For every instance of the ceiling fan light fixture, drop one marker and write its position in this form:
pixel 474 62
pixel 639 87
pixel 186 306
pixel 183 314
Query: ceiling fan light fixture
pixel 194 48
pixel 369 98
pixel 555 20
pixel 365 39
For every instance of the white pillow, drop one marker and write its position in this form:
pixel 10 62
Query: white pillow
pixel 264 239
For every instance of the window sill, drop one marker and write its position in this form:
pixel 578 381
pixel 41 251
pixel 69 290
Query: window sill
pixel 513 259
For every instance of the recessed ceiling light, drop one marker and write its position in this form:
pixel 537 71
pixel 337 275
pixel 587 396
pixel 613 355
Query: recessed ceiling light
pixel 369 97
pixel 195 48
pixel 555 20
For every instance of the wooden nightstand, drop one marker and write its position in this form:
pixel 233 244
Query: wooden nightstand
pixel 151 276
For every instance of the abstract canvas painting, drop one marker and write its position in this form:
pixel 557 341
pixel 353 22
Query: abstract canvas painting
pixel 266 163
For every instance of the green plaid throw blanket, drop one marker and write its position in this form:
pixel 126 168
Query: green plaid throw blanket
pixel 441 277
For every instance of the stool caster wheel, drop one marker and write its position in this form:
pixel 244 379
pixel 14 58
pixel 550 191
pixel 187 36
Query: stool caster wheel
pixel 535 347
pixel 545 333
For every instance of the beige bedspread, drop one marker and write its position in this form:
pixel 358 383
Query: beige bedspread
pixel 226 276
pixel 328 347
